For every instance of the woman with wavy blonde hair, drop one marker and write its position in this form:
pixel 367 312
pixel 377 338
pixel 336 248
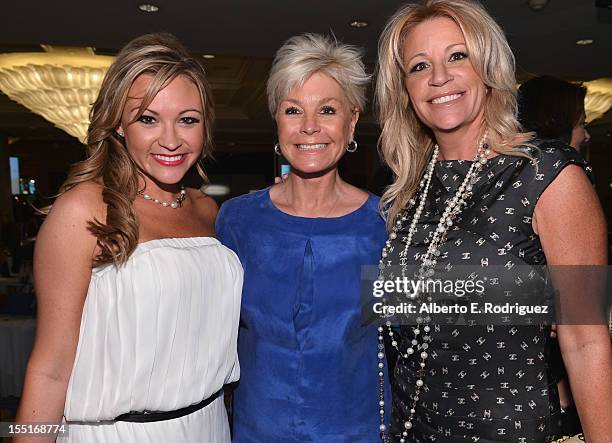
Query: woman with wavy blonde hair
pixel 138 303
pixel 473 193
pixel 108 160
pixel 403 135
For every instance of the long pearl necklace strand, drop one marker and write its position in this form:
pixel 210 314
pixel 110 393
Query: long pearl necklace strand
pixel 426 270
pixel 177 203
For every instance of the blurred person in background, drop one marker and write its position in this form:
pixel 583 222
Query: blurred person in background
pixel 554 109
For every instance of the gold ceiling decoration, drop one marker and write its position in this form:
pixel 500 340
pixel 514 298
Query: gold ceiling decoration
pixel 598 99
pixel 60 84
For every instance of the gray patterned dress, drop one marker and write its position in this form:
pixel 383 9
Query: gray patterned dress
pixel 484 382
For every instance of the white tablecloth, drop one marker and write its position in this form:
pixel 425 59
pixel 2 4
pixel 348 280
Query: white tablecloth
pixel 16 341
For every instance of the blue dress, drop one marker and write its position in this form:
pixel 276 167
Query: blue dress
pixel 308 365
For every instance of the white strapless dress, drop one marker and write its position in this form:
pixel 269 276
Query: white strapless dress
pixel 157 334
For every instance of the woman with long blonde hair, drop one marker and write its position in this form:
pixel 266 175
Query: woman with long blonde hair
pixel 138 303
pixel 471 190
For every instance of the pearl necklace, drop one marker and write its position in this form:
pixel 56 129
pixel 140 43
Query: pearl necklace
pixel 177 203
pixel 426 270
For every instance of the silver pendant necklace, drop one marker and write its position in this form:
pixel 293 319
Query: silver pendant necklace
pixel 421 332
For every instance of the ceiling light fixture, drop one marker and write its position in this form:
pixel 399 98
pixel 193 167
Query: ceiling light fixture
pixel 60 84
pixel 215 190
pixel 537 5
pixel 358 24
pixel 148 7
pixel 598 99
pixel 584 42
pixel 208 56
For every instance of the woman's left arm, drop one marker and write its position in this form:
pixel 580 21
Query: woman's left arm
pixel 572 229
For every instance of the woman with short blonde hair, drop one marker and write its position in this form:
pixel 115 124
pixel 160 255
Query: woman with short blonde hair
pixel 302 56
pixel 305 370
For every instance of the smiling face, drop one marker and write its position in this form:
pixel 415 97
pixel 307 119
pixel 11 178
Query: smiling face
pixel 168 138
pixel 445 91
pixel 315 124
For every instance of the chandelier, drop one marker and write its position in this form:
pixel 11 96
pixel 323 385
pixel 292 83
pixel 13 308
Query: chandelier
pixel 59 84
pixel 598 98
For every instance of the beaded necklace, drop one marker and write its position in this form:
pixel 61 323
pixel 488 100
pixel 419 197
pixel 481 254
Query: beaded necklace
pixel 426 270
pixel 177 203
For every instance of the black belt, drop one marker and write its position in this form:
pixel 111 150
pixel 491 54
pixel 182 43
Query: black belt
pixel 147 416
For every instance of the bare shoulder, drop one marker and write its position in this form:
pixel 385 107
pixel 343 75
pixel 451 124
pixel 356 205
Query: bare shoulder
pixel 205 205
pixel 69 216
pixel 569 220
pixel 571 186
pixel 570 196
pixel 84 201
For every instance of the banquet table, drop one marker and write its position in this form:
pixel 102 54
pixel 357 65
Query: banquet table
pixel 16 341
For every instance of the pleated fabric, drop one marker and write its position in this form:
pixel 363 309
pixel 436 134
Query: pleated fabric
pixel 308 359
pixel 158 333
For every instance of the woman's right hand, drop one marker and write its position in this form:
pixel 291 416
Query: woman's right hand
pixel 62 270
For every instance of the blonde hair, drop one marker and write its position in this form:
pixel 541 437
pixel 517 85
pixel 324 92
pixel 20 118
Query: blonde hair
pixel 164 58
pixel 405 143
pixel 303 55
